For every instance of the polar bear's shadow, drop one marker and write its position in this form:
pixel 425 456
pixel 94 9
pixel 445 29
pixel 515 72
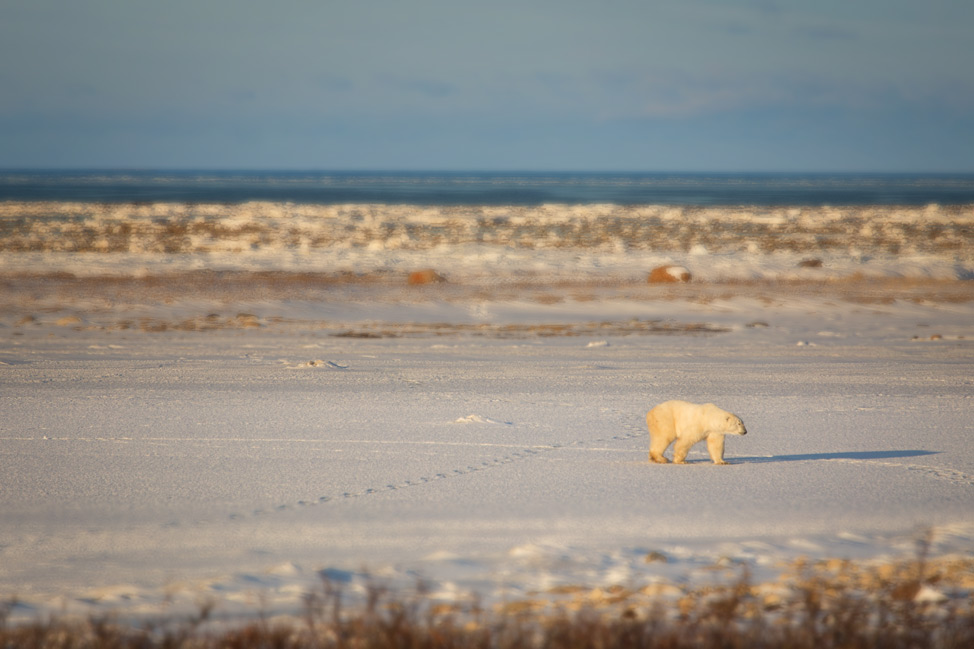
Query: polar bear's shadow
pixel 846 455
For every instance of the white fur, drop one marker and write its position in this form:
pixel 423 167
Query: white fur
pixel 686 424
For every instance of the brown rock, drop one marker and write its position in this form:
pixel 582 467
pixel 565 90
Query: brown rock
pixel 669 274
pixel 68 321
pixel 425 276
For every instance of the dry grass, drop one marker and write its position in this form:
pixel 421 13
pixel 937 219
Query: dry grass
pixel 184 228
pixel 823 605
pixel 520 331
pixel 239 286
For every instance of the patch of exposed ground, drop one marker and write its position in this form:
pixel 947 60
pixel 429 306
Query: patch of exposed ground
pixel 204 300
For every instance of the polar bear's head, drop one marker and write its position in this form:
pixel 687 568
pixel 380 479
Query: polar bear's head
pixel 725 422
pixel 733 425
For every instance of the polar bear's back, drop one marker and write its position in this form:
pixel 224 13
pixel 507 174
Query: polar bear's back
pixel 675 417
pixel 677 409
pixel 683 417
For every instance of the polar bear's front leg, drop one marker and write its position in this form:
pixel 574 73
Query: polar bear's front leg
pixel 680 450
pixel 715 445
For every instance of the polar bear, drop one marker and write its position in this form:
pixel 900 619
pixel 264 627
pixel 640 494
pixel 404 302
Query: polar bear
pixel 689 423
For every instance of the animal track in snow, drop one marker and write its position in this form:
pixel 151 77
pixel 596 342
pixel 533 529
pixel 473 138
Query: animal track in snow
pixel 950 475
pixel 332 365
pixel 516 453
pixel 942 473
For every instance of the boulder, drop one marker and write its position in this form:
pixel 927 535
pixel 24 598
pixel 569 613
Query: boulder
pixel 669 274
pixel 424 276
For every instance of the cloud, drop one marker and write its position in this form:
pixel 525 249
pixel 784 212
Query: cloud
pixel 428 87
pixel 677 94
pixel 668 98
pixel 410 88
pixel 681 94
pixel 825 32
pixel 330 83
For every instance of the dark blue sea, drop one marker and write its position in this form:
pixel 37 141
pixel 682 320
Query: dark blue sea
pixel 456 188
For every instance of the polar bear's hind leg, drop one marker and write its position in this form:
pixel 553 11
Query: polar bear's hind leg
pixel 657 446
pixel 658 457
pixel 661 435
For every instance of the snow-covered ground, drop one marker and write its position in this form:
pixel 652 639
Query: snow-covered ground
pixel 227 403
pixel 363 436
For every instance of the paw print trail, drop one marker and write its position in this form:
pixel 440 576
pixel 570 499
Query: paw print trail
pixel 512 453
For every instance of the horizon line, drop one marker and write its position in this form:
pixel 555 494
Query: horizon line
pixel 474 170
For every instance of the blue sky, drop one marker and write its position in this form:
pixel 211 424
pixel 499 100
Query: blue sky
pixel 673 85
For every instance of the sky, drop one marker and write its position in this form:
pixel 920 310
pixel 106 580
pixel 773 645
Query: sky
pixel 637 85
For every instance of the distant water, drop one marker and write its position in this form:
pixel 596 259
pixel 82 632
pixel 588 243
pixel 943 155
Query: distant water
pixel 487 188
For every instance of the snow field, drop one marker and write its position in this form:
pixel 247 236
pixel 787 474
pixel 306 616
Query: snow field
pixel 144 472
